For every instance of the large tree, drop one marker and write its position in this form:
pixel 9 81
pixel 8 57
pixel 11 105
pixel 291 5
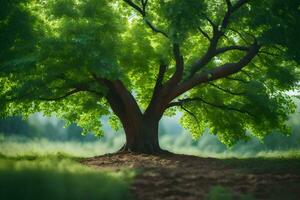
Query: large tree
pixel 226 64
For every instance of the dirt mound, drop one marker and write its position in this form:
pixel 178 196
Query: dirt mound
pixel 182 177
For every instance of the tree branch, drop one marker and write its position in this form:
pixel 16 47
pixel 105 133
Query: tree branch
pixel 210 53
pixel 204 33
pixel 192 114
pixel 230 10
pixel 160 77
pixel 154 29
pixel 161 92
pixel 136 7
pixel 144 4
pixel 237 79
pixel 61 97
pixel 71 92
pixel 228 2
pixel 142 11
pixel 217 34
pixel 79 87
pixel 118 94
pixel 157 88
pixel 240 35
pixel 231 48
pixel 227 91
pixel 271 54
pixel 214 26
pixel 219 72
pixel 223 107
pixel 177 76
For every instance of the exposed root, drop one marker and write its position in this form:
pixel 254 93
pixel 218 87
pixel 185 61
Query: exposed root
pixel 149 149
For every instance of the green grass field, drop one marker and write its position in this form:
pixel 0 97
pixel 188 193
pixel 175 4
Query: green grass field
pixel 59 178
pixel 42 169
pixel 39 169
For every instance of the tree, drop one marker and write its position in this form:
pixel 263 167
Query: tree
pixel 226 64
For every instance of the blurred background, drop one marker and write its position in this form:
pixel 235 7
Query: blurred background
pixel 44 135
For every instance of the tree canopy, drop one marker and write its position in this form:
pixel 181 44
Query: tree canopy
pixel 226 64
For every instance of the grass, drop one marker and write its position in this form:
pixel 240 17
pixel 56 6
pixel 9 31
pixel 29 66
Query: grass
pixel 193 150
pixel 280 165
pixel 59 178
pixel 20 146
pixel 39 169
pixel 277 162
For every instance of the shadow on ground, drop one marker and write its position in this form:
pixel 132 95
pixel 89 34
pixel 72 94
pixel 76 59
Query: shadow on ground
pixel 182 177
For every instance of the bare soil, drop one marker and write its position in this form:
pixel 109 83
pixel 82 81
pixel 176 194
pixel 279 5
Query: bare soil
pixel 183 177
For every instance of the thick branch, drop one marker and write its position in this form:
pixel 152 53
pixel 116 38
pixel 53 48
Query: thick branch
pixel 152 108
pixel 228 2
pixel 212 52
pixel 161 92
pixel 217 34
pixel 230 10
pixel 121 100
pixel 206 58
pixel 160 78
pixel 122 104
pixel 177 76
pixel 219 72
pixel 127 97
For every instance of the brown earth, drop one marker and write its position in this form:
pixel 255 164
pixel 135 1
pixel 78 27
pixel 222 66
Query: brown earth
pixel 183 177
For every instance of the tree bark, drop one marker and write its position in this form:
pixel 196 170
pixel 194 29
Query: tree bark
pixel 141 129
pixel 143 139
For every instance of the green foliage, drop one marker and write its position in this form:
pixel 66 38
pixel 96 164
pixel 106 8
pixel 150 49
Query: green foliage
pixel 255 110
pixel 182 16
pixel 16 34
pixel 281 24
pixel 114 122
pixel 53 48
pixel 272 145
pixel 69 47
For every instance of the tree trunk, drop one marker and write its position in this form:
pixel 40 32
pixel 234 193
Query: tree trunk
pixel 144 138
pixel 141 129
